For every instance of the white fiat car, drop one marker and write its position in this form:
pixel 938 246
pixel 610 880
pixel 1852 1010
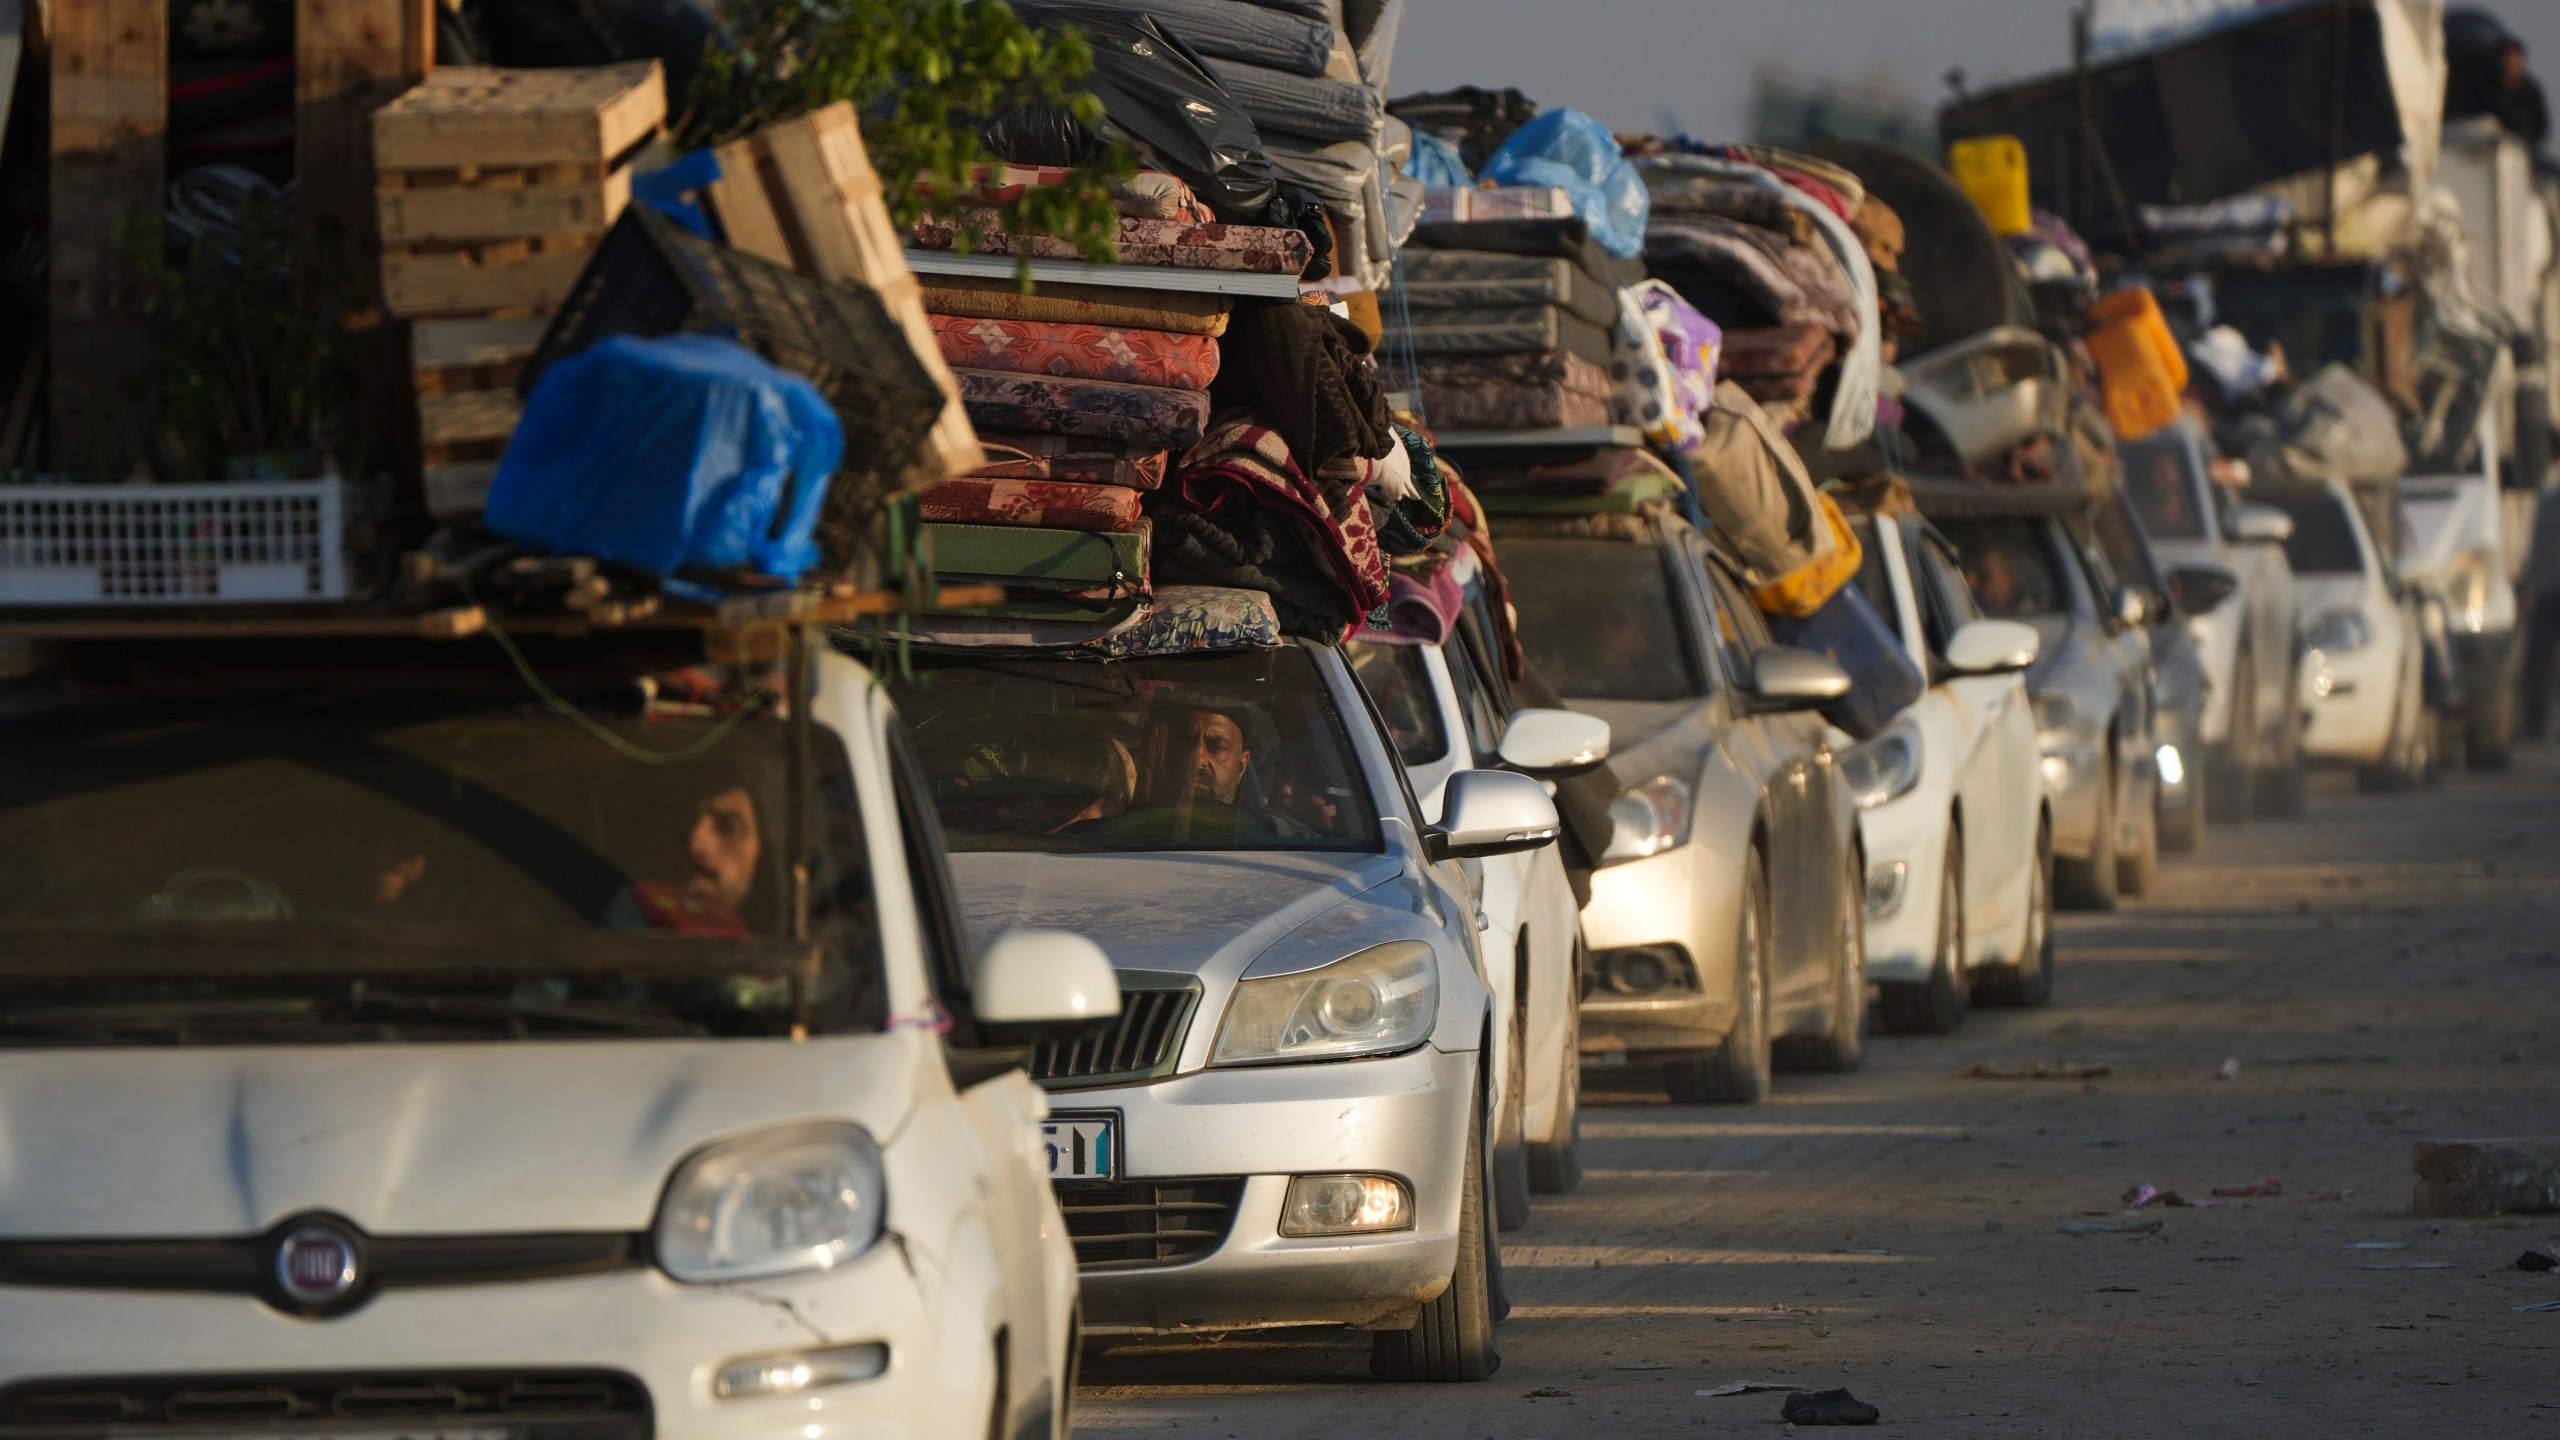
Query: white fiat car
pixel 390 1052
pixel 2363 662
pixel 1952 805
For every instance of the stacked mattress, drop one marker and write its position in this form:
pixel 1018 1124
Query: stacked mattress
pixel 1513 323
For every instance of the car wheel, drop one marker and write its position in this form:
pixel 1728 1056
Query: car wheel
pixel 1842 1045
pixel 2230 773
pixel 2399 768
pixel 2091 884
pixel 1453 1339
pixel 1555 1164
pixel 2030 981
pixel 1738 1073
pixel 2138 864
pixel 2284 790
pixel 1936 1005
pixel 1511 1143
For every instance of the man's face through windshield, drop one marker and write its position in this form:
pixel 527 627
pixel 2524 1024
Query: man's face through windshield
pixel 1205 756
pixel 725 846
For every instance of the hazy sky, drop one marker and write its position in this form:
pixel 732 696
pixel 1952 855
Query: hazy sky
pixel 1647 64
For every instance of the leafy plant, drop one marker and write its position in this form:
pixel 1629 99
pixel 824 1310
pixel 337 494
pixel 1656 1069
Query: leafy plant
pixel 922 75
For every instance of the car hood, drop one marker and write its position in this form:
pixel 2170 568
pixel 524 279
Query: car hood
pixel 1184 913
pixel 521 1137
pixel 1653 737
pixel 2447 515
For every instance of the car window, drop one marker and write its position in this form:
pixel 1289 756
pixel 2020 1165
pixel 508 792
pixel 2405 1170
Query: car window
pixel 1399 683
pixel 1601 618
pixel 1872 580
pixel 1241 750
pixel 1483 714
pixel 938 922
pixel 2324 537
pixel 1951 606
pixel 2009 569
pixel 2168 495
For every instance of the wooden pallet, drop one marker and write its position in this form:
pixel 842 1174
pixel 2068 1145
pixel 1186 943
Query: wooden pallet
pixel 802 193
pixel 461 117
pixel 467 408
pixel 422 207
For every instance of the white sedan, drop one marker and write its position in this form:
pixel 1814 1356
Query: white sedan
pixel 1952 804
pixel 2363 664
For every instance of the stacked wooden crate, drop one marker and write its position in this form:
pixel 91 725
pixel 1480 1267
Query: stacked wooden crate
pixel 491 188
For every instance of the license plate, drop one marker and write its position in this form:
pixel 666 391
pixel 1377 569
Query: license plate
pixel 1082 1147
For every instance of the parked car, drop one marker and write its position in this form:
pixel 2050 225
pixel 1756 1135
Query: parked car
pixel 2457 549
pixel 1448 710
pixel 2202 533
pixel 1953 815
pixel 1724 922
pixel 2364 678
pixel 1291 1124
pixel 2027 556
pixel 390 1051
pixel 2179 685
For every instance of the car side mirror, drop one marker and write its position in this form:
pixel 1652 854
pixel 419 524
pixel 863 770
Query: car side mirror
pixel 1038 984
pixel 1554 742
pixel 2201 589
pixel 1993 647
pixel 1786 678
pixel 2261 525
pixel 1491 812
pixel 2132 607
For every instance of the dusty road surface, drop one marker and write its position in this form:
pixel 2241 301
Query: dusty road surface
pixel 2384 971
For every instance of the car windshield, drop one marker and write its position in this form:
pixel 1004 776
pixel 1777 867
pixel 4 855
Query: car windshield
pixel 2009 567
pixel 1598 617
pixel 1400 682
pixel 2159 473
pixel 410 843
pixel 2323 541
pixel 1241 750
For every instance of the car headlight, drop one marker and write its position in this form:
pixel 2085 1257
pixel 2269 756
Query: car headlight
pixel 1383 999
pixel 2335 632
pixel 1884 768
pixel 2053 712
pixel 1648 819
pixel 780 1201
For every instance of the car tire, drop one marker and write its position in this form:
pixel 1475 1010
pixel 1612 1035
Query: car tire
pixel 2030 981
pixel 2401 765
pixel 1453 1339
pixel 1555 1164
pixel 1936 1005
pixel 2091 884
pixel 2139 865
pixel 1511 1141
pixel 2230 771
pixel 2284 790
pixel 1842 1044
pixel 1738 1073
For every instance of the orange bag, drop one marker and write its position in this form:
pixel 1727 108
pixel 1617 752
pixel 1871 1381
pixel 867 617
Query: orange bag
pixel 2139 364
pixel 1810 586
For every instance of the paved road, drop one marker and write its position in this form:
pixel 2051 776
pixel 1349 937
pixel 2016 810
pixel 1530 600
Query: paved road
pixel 2386 970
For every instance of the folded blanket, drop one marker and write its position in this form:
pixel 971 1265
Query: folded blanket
pixel 997 299
pixel 1241 512
pixel 1776 350
pixel 1747 204
pixel 1510 405
pixel 1308 374
pixel 1484 279
pixel 1569 237
pixel 1315 107
pixel 1057 504
pixel 1497 331
pixel 1789 284
pixel 1148 416
pixel 1080 352
pixel 1023 455
pixel 1235 30
pixel 1146 195
pixel 1250 249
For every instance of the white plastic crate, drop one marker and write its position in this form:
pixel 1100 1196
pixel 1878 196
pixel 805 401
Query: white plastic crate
pixel 236 543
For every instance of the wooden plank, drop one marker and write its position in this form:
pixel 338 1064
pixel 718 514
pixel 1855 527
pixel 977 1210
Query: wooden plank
pixel 109 74
pixel 454 283
pixel 471 415
pixel 745 212
pixel 488 212
pixel 471 115
pixel 351 57
pixel 455 344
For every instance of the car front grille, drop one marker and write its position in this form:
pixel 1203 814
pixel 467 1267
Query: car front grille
pixel 1141 1224
pixel 1141 1041
pixel 532 1405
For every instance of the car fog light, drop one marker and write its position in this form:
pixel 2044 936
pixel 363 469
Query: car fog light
pixel 1884 888
pixel 1643 969
pixel 2173 767
pixel 1345 1205
pixel 798 1371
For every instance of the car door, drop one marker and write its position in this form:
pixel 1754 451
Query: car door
pixel 1996 782
pixel 2130 647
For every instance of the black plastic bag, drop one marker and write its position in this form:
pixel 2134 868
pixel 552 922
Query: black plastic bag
pixel 1155 90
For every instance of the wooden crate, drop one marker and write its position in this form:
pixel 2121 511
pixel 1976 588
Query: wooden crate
pixel 479 279
pixel 463 117
pixel 422 207
pixel 467 408
pixel 802 193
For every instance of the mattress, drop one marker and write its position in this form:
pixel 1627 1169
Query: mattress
pixel 1072 560
pixel 1495 330
pixel 1148 416
pixel 1312 106
pixel 998 299
pixel 1024 455
pixel 1297 44
pixel 1077 351
pixel 1057 504
pixel 1479 279
pixel 1510 405
pixel 1251 249
pixel 1569 237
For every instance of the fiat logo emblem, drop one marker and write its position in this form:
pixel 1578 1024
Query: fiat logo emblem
pixel 316 1264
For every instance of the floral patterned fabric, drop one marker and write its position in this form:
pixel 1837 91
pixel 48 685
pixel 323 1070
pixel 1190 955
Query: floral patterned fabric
pixel 1777 362
pixel 1148 416
pixel 1147 195
pixel 1526 390
pixel 1058 504
pixel 1254 249
pixel 995 299
pixel 1241 512
pixel 1180 619
pixel 1022 455
pixel 1079 352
